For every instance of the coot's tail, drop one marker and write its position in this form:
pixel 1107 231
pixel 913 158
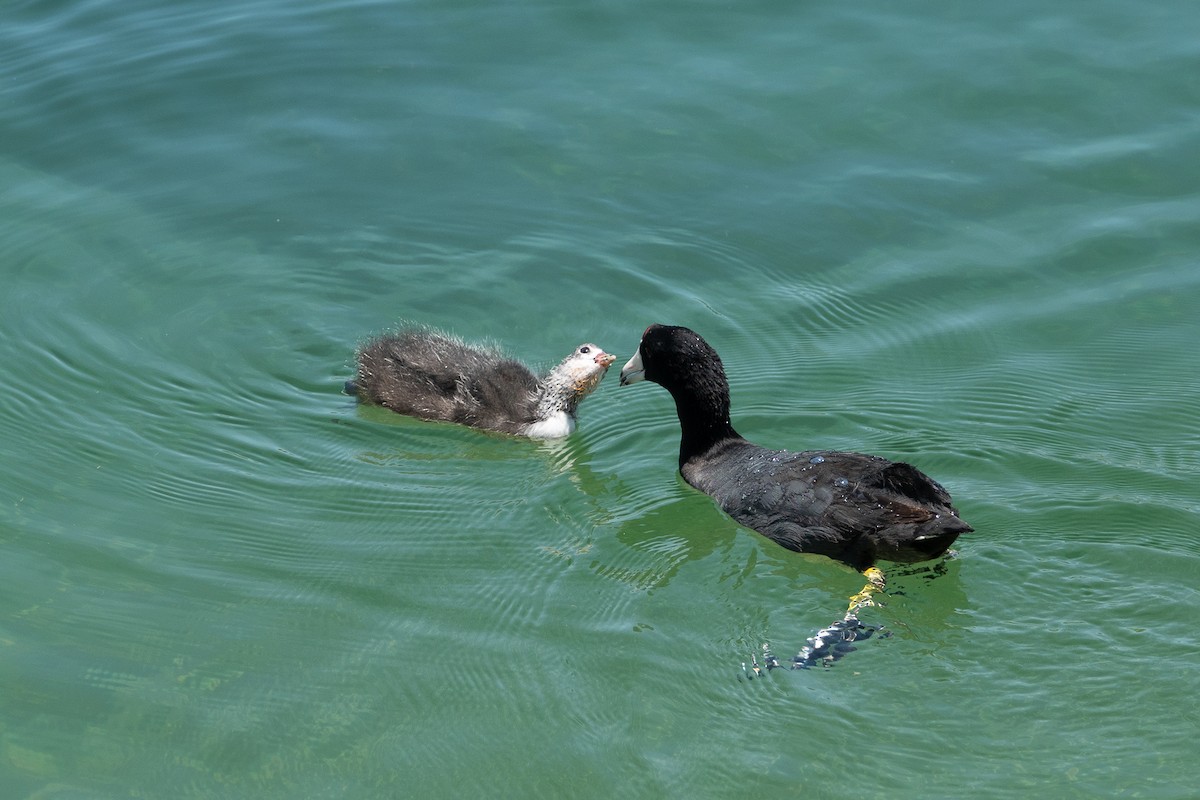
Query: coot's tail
pixel 935 537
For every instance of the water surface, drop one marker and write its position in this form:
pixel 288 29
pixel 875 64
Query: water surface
pixel 962 239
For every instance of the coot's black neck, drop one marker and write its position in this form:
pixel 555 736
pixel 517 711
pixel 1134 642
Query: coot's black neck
pixel 703 406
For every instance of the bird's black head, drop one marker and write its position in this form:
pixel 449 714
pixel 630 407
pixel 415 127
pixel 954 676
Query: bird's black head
pixel 680 361
pixel 673 356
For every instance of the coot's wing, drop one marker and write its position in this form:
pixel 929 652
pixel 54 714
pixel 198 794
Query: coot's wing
pixel 438 360
pixel 860 489
pixel 402 373
pixel 502 397
pixel 850 506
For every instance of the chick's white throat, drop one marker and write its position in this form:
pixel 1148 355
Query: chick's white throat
pixel 555 426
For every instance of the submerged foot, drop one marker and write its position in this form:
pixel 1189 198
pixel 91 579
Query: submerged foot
pixel 832 643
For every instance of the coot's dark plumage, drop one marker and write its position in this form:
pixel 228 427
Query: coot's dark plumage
pixel 853 507
pixel 427 374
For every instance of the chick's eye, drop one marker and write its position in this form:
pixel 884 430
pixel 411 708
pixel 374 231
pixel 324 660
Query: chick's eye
pixel 585 349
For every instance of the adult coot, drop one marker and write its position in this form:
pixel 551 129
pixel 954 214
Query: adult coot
pixel 853 507
pixel 431 375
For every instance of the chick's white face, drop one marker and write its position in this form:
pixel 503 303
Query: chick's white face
pixel 587 367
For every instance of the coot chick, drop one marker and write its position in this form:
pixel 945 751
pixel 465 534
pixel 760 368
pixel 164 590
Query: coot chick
pixel 849 506
pixel 431 375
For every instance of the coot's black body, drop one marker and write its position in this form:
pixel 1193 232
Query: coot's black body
pixel 434 376
pixel 849 506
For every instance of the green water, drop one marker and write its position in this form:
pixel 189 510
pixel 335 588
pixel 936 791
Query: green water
pixel 963 237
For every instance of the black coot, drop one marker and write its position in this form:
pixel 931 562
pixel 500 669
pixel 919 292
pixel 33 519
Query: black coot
pixel 431 375
pixel 853 507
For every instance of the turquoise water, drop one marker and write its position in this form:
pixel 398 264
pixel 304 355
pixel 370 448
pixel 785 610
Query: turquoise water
pixel 963 237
